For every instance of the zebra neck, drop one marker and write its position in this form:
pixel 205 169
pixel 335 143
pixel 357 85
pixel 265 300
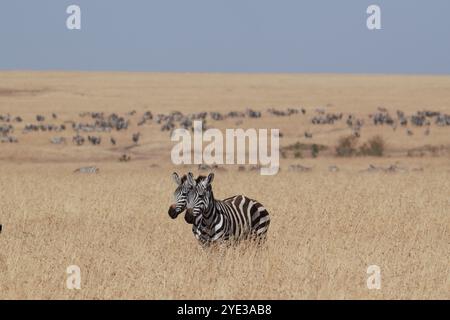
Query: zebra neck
pixel 210 214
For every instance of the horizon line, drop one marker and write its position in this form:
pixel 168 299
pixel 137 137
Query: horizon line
pixel 424 74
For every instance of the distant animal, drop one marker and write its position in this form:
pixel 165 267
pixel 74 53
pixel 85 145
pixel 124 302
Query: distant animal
pixel 148 115
pixel 216 116
pixel 95 140
pixel 6 129
pixel 8 139
pixel 78 140
pixel 136 137
pixel 234 219
pixel 443 120
pixel 113 141
pixel 320 110
pixel 253 114
pixel 124 158
pixel 333 168
pixel 299 168
pixel 87 170
pixel 58 140
pixel 308 135
pixel 207 167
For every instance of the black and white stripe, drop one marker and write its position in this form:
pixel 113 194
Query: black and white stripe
pixel 235 218
pixel 87 170
pixel 180 197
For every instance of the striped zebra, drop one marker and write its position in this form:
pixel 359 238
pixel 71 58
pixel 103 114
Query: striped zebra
pixel 234 219
pixel 87 170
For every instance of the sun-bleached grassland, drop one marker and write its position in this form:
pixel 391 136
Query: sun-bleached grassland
pixel 327 227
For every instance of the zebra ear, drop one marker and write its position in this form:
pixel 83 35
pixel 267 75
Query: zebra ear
pixel 209 179
pixel 176 178
pixel 190 179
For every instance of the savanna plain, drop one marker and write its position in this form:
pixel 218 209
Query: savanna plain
pixel 333 213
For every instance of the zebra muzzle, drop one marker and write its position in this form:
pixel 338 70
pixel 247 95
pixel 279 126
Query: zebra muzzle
pixel 189 216
pixel 173 213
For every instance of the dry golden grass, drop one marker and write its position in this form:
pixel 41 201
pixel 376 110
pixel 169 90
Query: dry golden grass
pixel 326 228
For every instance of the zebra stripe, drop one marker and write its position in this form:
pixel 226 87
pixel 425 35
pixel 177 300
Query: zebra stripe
pixel 87 170
pixel 180 197
pixel 235 218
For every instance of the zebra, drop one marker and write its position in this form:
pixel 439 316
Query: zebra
pixel 233 219
pixel 58 140
pixel 87 170
pixel 94 140
pixel 78 140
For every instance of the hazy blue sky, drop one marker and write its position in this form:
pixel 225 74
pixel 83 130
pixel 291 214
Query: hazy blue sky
pixel 227 36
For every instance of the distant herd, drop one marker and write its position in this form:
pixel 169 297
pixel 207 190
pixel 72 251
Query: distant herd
pixel 98 122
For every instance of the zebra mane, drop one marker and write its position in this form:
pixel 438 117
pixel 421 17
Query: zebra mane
pixel 197 180
pixel 200 178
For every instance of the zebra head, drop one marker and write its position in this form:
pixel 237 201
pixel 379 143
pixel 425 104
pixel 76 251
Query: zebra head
pixel 180 195
pixel 200 197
